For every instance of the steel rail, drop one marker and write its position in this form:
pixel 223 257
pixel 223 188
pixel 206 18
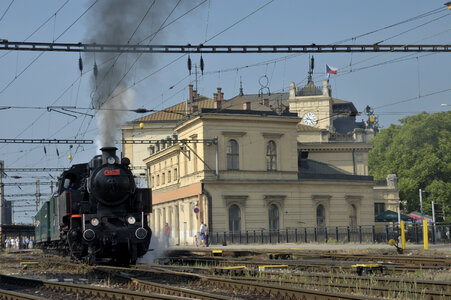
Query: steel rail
pixel 376 286
pixel 302 265
pixel 127 48
pixel 327 277
pixel 82 290
pixel 10 295
pixel 293 254
pixel 145 285
pixel 418 260
pixel 384 286
pixel 252 288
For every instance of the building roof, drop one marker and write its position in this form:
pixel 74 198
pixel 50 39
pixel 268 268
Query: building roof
pixel 175 112
pixel 236 103
pixel 251 112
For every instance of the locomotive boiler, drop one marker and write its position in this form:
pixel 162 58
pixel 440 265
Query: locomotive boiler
pixel 98 214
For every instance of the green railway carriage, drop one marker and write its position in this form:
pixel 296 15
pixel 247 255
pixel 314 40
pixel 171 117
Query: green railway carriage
pixel 42 223
pixel 46 221
pixel 54 223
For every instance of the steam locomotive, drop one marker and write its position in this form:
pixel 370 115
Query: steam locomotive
pixel 98 215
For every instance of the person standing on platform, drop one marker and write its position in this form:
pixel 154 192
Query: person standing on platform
pixel 167 232
pixel 202 233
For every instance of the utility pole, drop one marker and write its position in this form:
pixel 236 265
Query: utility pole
pixel 38 200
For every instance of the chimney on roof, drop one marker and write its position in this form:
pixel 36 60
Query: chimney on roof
pixel 218 99
pixel 193 95
pixel 247 106
pixel 220 95
pixel 266 102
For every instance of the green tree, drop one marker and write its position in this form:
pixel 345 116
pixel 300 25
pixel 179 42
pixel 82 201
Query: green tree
pixel 419 152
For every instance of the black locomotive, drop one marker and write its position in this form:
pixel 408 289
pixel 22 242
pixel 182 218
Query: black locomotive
pixel 98 214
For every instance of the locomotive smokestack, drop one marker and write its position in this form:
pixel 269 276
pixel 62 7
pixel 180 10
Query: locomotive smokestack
pixel 108 152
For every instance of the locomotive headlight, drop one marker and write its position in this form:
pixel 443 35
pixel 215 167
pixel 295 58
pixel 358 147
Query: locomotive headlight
pixel 131 220
pixel 94 222
pixel 111 160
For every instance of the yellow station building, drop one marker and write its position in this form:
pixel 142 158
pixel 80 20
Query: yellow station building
pixel 258 162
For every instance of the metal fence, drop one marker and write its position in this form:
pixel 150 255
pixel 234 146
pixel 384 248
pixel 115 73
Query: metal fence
pixel 437 233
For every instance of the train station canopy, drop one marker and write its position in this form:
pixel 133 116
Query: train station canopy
pixel 390 216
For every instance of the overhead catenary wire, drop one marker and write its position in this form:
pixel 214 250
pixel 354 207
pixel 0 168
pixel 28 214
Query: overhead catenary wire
pixel 37 57
pixel 6 10
pixel 102 80
pixel 139 56
pixel 239 21
pixel 214 36
pixel 420 16
pixel 59 97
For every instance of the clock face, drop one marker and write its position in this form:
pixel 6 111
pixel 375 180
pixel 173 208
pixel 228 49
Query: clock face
pixel 309 119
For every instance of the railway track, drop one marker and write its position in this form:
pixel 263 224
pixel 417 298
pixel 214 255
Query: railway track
pixel 58 290
pixel 291 254
pixel 371 285
pixel 325 284
pixel 302 265
pixel 237 287
pixel 160 281
pixel 374 286
pixel 320 278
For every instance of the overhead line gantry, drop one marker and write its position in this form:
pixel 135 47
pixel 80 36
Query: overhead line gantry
pixel 127 48
pixel 75 141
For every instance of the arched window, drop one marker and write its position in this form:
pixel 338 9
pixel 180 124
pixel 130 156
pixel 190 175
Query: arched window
pixel 273 217
pixel 353 216
pixel 271 156
pixel 320 216
pixel 232 155
pixel 234 218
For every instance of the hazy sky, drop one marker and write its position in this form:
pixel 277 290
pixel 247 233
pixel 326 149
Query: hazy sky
pixel 35 79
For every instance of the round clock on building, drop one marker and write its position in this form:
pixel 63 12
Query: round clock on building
pixel 309 119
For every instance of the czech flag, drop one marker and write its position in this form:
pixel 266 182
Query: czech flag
pixel 330 70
